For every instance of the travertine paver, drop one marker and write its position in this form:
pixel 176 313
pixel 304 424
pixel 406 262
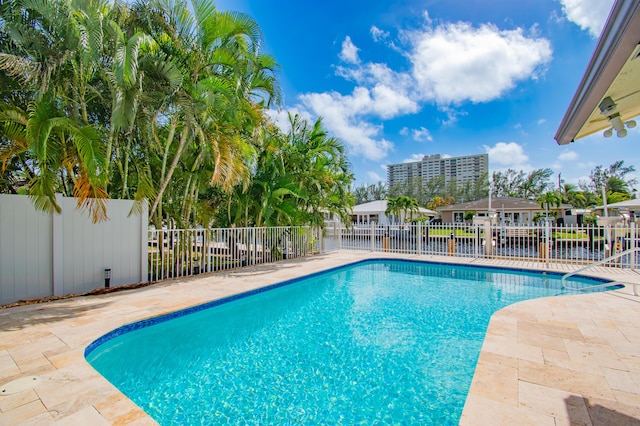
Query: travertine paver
pixel 571 360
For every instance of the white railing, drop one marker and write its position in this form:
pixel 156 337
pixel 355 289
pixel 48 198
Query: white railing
pixel 572 245
pixel 609 261
pixel 182 252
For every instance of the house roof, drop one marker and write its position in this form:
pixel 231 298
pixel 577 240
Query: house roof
pixel 370 207
pixel 380 206
pixel 613 72
pixel 508 203
pixel 629 204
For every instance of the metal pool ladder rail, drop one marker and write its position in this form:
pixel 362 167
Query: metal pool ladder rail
pixel 633 251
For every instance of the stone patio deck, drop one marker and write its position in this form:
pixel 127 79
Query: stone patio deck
pixel 571 360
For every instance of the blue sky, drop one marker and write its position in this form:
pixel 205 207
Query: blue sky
pixel 395 80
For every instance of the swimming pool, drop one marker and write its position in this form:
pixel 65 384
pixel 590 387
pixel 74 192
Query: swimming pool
pixel 393 341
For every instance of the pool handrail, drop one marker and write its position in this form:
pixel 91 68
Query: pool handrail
pixel 603 261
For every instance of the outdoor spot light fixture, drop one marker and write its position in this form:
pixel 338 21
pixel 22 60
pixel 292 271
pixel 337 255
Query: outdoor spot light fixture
pixel 608 108
pixel 107 277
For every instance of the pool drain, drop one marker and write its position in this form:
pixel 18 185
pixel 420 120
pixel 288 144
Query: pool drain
pixel 18 385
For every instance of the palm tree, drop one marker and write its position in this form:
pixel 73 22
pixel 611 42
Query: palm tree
pixel 296 178
pixel 402 205
pixel 393 207
pixel 548 199
pixel 52 50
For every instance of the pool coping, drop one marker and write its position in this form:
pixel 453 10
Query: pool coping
pixel 49 341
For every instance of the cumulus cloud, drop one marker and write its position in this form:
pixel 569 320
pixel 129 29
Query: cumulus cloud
pixel 452 115
pixel 413 158
pixel 349 52
pixel 568 155
pixel 281 117
pixel 338 112
pixel 456 62
pixel 377 34
pixel 590 15
pixel 449 64
pixel 374 177
pixel 510 155
pixel 422 135
pixel 404 131
pixel 541 121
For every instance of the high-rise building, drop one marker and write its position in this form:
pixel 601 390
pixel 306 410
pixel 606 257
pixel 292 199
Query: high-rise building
pixel 464 169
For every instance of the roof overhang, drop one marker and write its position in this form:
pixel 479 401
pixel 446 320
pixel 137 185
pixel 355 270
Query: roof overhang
pixel 614 71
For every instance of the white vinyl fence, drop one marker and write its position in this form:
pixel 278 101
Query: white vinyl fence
pixel 45 255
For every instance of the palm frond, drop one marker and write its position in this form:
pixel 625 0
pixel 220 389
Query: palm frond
pixel 92 198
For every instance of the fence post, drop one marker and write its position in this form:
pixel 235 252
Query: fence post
pixel 488 239
pixel 632 243
pixel 476 245
pixel 451 244
pixel 338 235
pixel 418 233
pixel 373 236
pixel 547 232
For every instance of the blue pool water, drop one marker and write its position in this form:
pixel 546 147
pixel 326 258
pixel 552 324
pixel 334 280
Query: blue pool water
pixel 375 342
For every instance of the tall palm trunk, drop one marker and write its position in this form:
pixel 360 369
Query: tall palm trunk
pixel 176 158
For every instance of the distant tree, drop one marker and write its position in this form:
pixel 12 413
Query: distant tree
pixel 614 178
pixel 401 206
pixel 512 183
pixel 548 200
pixel 438 201
pixel 370 192
pixel 393 207
pixel 507 183
pixel 536 183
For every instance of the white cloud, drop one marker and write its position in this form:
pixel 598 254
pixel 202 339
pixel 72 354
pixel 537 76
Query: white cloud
pixel 374 177
pixel 541 121
pixel 404 131
pixel 510 155
pixel 377 34
pixel 281 117
pixel 371 74
pixel 590 15
pixel 388 103
pixel 349 52
pixel 568 155
pixel 452 115
pixel 450 64
pixel 413 158
pixel 422 135
pixel 456 62
pixel 340 117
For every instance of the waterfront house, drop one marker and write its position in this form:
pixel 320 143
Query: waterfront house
pixel 509 210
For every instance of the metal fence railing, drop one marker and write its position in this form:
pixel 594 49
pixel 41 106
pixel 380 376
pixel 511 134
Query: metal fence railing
pixel 578 245
pixel 176 253
pixel 181 252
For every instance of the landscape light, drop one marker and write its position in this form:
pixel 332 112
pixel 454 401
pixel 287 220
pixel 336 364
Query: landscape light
pixel 107 277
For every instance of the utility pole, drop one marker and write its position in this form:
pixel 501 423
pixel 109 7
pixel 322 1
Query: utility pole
pixel 559 182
